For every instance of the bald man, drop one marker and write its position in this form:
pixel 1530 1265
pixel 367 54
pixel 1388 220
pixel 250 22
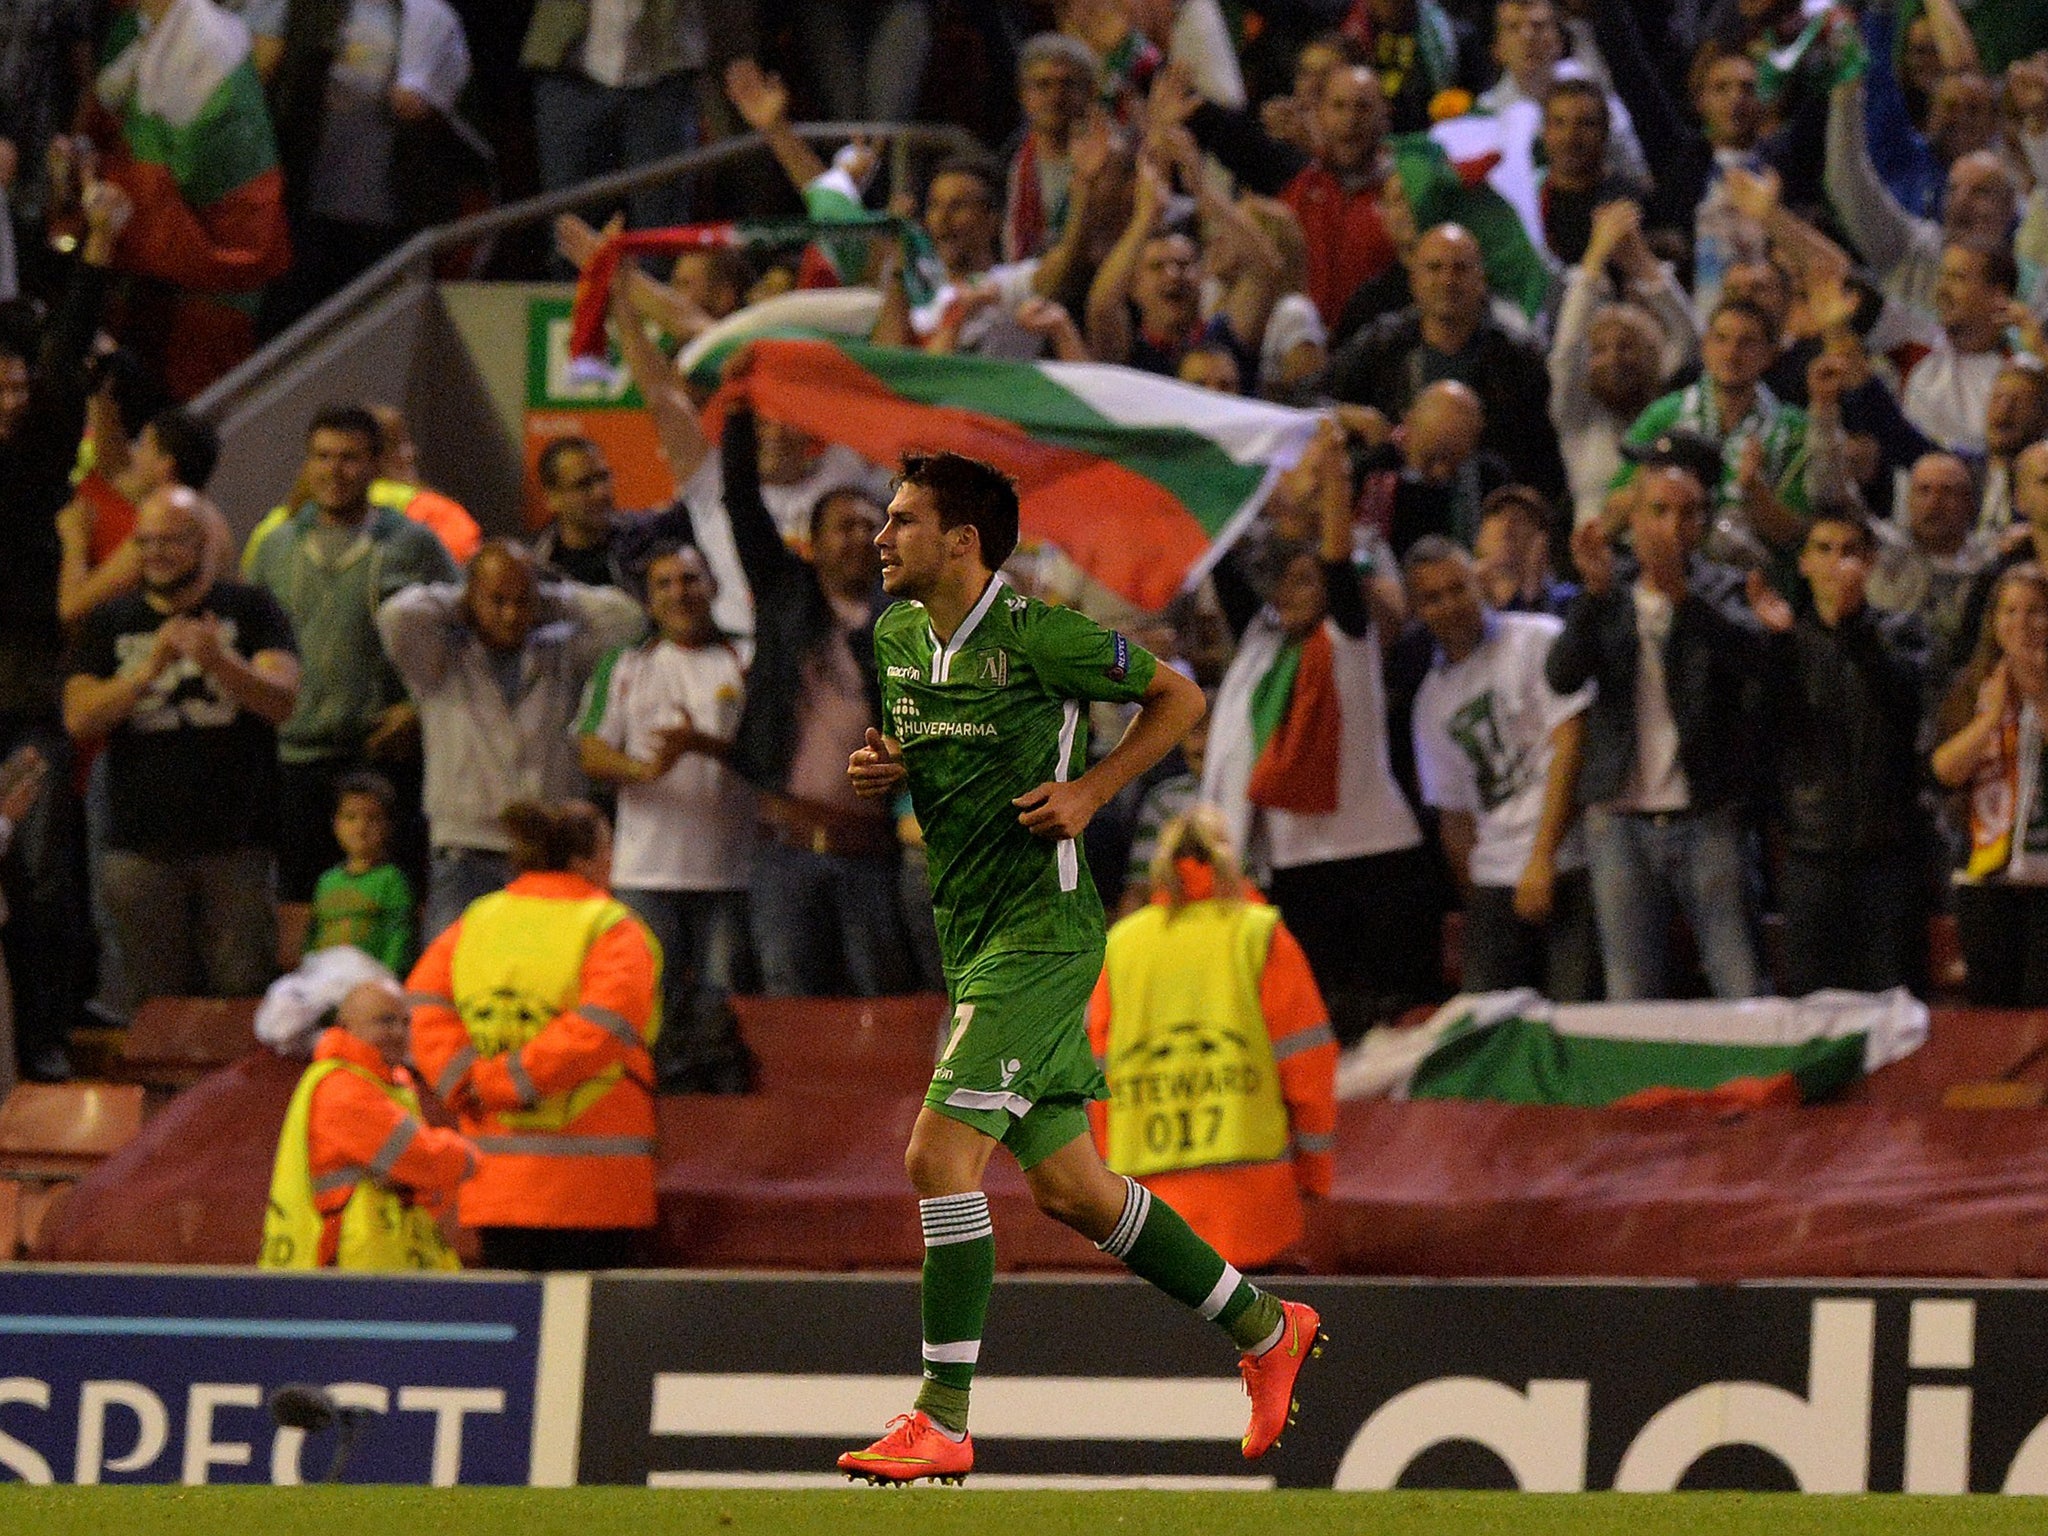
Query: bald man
pixel 364 1142
pixel 1450 332
pixel 1441 474
pixel 186 680
pixel 497 665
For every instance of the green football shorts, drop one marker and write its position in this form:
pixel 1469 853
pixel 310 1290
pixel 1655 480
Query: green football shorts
pixel 1016 1064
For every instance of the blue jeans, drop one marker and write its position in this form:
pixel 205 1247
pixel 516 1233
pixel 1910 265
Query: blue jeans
pixel 828 925
pixel 585 129
pixel 1648 868
pixel 455 878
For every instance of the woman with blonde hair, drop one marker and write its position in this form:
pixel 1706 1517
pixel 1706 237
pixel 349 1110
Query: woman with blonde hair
pixel 1993 750
pixel 1218 1050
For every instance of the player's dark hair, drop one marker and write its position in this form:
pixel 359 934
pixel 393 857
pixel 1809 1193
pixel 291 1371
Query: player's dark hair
pixel 550 461
pixel 550 837
pixel 352 419
pixel 968 493
pixel 372 786
pixel 191 444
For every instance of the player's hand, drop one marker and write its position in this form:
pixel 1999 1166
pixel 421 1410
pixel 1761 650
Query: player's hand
pixel 1056 811
pixel 876 768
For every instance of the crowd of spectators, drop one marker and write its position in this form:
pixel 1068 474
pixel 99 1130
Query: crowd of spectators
pixel 1669 558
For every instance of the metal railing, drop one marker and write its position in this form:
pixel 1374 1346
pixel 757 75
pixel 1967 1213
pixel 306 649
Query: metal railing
pixel 412 264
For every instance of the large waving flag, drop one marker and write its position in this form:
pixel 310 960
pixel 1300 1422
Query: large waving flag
pixel 1142 480
pixel 1516 1048
pixel 195 154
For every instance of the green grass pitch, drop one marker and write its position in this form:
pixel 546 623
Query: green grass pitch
pixel 944 1512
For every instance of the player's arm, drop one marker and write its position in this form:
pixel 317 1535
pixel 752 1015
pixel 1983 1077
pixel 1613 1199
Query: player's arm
pixel 1167 711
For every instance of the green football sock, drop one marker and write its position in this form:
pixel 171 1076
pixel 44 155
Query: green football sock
pixel 959 1273
pixel 1160 1247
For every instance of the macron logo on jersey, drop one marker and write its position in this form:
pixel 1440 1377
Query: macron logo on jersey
pixel 912 674
pixel 1120 663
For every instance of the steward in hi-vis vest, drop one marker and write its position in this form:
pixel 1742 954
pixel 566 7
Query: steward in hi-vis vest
pixel 1218 1051
pixel 533 1016
pixel 359 1177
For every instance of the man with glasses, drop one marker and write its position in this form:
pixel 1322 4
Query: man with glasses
pixel 187 681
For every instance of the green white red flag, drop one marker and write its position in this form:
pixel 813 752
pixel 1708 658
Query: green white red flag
pixel 1517 1048
pixel 1143 481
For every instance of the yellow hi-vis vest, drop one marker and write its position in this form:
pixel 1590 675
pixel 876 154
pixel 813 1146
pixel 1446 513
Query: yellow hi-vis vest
pixel 379 1230
pixel 517 965
pixel 1192 1082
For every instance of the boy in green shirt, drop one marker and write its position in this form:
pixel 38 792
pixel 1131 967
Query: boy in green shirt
pixel 984 689
pixel 364 900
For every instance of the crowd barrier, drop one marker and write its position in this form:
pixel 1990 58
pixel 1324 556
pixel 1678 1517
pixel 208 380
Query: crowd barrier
pixel 751 1380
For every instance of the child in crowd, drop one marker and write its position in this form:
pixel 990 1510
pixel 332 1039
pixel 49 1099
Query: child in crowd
pixel 364 900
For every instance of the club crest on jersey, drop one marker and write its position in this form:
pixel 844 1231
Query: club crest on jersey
pixel 1120 662
pixel 995 668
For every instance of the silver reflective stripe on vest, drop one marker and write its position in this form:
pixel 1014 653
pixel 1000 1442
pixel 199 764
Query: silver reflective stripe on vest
pixel 1315 1143
pixel 567 1146
pixel 614 1024
pixel 394 1147
pixel 516 1070
pixel 1303 1040
pixel 429 1000
pixel 341 1178
pixel 451 1074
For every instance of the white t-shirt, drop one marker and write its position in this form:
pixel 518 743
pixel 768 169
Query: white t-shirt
pixel 692 829
pixel 1482 742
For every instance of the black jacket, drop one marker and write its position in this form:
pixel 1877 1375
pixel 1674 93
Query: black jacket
pixel 1712 658
pixel 1376 367
pixel 1844 710
pixel 792 617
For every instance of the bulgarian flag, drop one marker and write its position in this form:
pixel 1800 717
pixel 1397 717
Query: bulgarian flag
pixel 185 133
pixel 1517 1048
pixel 1142 480
pixel 1460 172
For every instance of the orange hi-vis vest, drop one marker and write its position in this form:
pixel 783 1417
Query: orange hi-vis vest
pixel 1221 1068
pixel 358 1176
pixel 533 1016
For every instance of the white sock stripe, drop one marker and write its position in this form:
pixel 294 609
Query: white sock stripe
pixel 951 1219
pixel 1226 1287
pixel 960 1352
pixel 969 1235
pixel 956 1223
pixel 1137 1206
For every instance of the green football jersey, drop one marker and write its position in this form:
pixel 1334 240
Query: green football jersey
pixel 994 714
